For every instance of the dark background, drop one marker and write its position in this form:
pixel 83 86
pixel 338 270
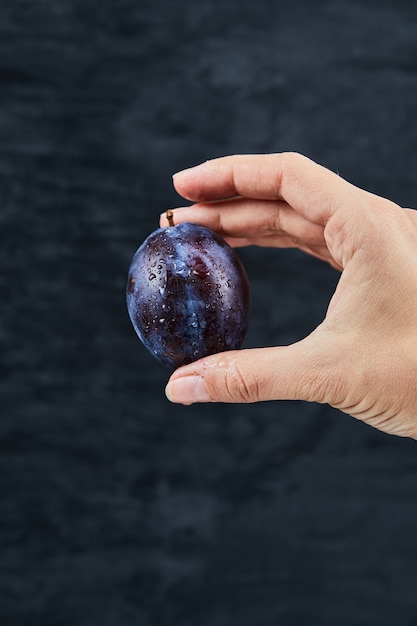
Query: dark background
pixel 117 508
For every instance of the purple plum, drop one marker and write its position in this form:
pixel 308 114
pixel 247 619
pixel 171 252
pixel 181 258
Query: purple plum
pixel 187 294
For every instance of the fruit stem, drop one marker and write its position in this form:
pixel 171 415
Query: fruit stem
pixel 170 217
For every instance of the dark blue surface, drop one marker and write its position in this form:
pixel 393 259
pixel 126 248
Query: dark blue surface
pixel 115 506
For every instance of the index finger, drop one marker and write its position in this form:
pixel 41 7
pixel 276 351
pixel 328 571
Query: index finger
pixel 307 187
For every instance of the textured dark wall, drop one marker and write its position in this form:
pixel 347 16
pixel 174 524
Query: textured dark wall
pixel 117 508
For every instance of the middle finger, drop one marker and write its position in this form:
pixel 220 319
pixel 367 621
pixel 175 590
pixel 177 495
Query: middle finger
pixel 249 219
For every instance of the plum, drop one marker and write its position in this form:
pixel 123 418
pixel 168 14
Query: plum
pixel 187 294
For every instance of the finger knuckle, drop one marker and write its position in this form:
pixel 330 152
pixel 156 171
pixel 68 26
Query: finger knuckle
pixel 232 384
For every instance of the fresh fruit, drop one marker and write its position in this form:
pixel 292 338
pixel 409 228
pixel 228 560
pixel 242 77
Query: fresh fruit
pixel 187 294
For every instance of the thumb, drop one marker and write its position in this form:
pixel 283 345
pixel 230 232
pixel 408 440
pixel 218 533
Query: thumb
pixel 301 371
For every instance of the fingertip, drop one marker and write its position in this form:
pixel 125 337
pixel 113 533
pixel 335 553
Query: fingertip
pixel 163 220
pixel 185 175
pixel 187 390
pixel 175 217
pixel 188 182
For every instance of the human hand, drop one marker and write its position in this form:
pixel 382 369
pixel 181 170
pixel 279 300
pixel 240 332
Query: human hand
pixel 362 359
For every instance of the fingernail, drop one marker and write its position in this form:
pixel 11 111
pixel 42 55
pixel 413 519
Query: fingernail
pixel 187 390
pixel 189 171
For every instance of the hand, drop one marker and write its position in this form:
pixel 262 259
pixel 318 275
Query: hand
pixel 362 359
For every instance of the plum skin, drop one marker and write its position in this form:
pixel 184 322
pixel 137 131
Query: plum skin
pixel 187 294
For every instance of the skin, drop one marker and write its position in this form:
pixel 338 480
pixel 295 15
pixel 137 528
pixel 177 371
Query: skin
pixel 362 359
